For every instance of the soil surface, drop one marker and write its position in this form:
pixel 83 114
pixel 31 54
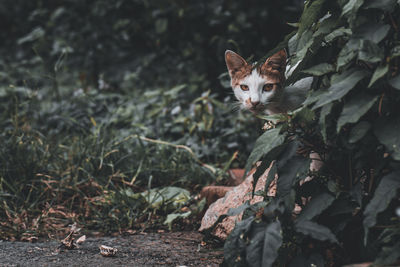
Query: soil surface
pixel 144 249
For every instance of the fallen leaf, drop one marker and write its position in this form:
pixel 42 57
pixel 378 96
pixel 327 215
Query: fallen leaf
pixel 107 251
pixel 81 239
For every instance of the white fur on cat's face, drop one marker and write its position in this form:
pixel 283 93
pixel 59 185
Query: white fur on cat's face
pixel 255 94
pixel 256 88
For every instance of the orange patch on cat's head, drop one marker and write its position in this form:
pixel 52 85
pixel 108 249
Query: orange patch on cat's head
pixel 238 67
pixel 274 67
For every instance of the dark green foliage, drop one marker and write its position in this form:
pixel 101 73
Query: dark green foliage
pixel 93 153
pixel 350 119
pixel 316 206
pixel 384 193
pixel 265 242
pixel 316 231
pixel 102 102
pixel 264 145
pixel 145 43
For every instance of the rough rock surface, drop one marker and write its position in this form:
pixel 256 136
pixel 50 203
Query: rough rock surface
pixel 236 196
pixel 233 199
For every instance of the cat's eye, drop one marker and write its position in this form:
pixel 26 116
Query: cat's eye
pixel 244 87
pixel 268 87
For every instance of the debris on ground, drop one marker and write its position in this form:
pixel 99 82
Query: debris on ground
pixel 107 251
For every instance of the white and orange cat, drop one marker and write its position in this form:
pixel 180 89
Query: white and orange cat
pixel 261 89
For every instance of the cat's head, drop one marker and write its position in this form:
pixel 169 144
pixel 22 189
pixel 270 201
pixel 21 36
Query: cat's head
pixel 257 88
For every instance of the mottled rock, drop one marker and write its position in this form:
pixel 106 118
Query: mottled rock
pixel 238 195
pixel 214 192
pixel 236 177
pixel 233 199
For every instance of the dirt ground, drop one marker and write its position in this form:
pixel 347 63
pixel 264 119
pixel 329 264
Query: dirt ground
pixel 144 249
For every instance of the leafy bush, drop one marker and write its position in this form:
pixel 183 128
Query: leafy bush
pixel 350 119
pixel 150 43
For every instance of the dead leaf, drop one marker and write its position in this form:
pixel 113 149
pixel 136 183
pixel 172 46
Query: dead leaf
pixel 107 251
pixel 81 239
pixel 68 242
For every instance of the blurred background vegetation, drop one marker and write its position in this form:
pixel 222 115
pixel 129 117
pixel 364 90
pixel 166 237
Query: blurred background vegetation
pixel 114 114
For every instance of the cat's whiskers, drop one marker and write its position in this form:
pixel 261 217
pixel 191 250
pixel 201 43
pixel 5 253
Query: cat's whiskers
pixel 236 106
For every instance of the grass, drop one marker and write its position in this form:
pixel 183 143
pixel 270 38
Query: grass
pixel 93 157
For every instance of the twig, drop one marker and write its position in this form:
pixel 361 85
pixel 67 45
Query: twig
pixel 393 23
pixel 350 173
pixel 371 180
pixel 380 104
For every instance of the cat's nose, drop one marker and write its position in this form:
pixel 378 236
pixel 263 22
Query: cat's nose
pixel 255 103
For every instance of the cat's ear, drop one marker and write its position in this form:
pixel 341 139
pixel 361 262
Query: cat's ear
pixel 234 62
pixel 275 63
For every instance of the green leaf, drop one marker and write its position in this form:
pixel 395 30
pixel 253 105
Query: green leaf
pixel 355 109
pixel 359 131
pixel 173 216
pixel 292 44
pixel 395 82
pixel 310 14
pixel 313 97
pixel 350 9
pixel 372 31
pixel 316 206
pixel 264 244
pixel 364 44
pixel 290 167
pixel 264 144
pixel 395 52
pixel 337 33
pixel 274 208
pixel 175 90
pixel 388 255
pixel 325 111
pixel 387 130
pixel 293 24
pixel 326 24
pixel 157 197
pixel 370 52
pixel 289 172
pixel 303 44
pixel 271 176
pixel 320 69
pixel 348 52
pixel 235 244
pixel 161 25
pixel 379 72
pixel 289 38
pixel 315 230
pixel 345 82
pixel 35 34
pixel 254 250
pixel 238 210
pixel 342 206
pixel 385 5
pixel 303 115
pixel 272 243
pixel 383 195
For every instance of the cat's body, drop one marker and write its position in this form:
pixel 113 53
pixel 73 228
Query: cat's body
pixel 291 98
pixel 260 89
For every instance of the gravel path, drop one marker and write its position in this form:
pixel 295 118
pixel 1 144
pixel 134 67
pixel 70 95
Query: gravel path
pixel 145 249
